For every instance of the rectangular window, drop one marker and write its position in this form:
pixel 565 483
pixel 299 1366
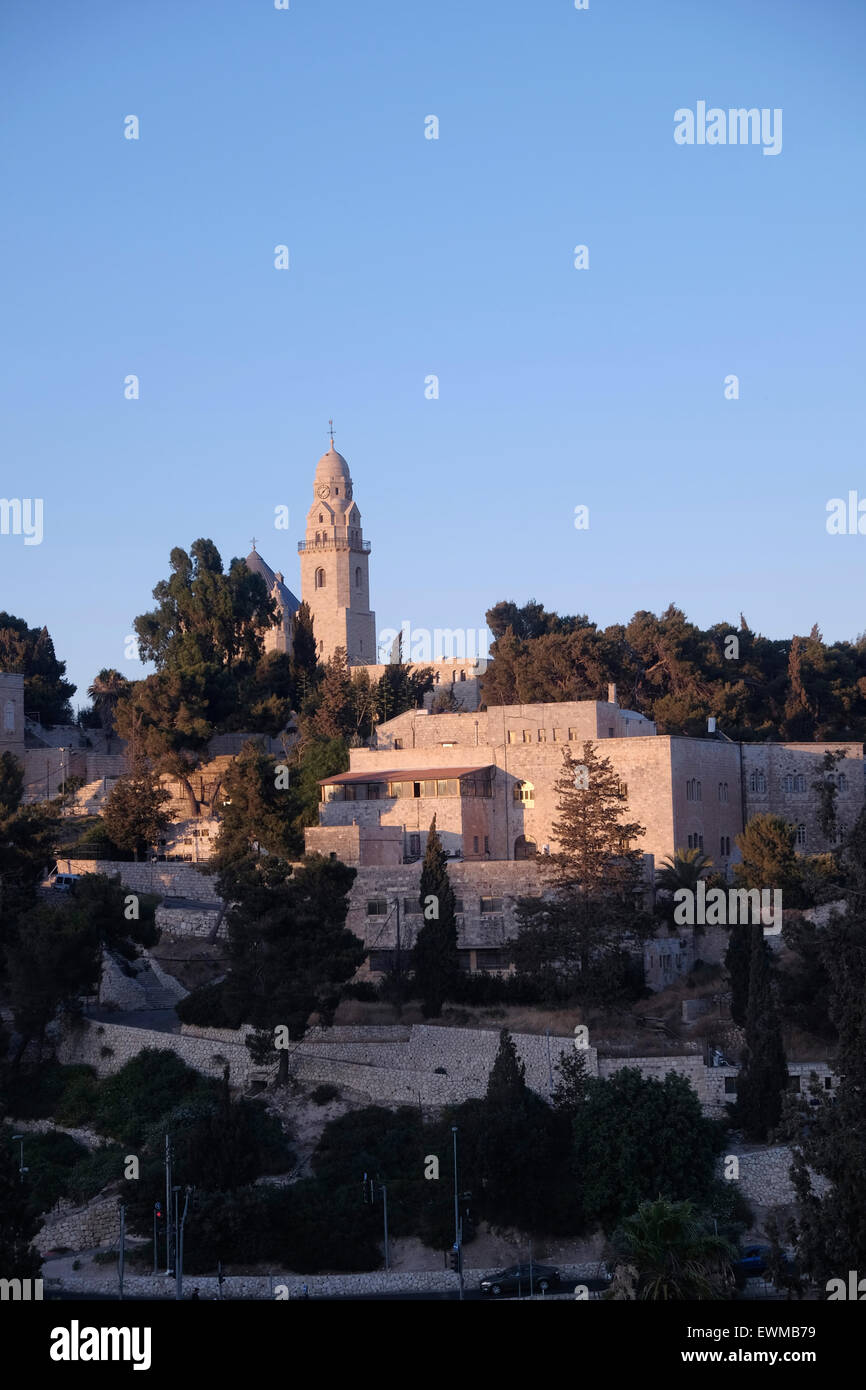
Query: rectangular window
pixel 350 792
pixel 474 844
pixel 398 743
pixel 447 786
pixel 512 735
pixel 411 907
pixel 542 735
pixel 828 1083
pixel 527 735
pixel 490 960
pixel 486 844
pixel 491 904
pixel 415 845
pixel 730 1085
pixel 374 791
pixel 377 907
pixel 557 735
pixel 449 745
pixel 458 904
pixel 793 1083
pixel 428 788
pixel 611 733
pixel 801 835
pixel 572 735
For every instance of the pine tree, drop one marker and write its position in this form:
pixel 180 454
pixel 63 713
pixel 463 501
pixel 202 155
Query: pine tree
pixel 435 962
pixel 738 963
pixel 763 1078
pixel 134 813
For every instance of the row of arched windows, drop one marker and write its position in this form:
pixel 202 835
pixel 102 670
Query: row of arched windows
pixel 320 578
pixel 693 790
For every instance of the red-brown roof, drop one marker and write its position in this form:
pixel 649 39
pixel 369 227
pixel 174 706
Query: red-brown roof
pixel 403 774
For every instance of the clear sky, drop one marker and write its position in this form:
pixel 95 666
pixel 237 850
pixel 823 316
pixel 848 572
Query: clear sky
pixel 453 257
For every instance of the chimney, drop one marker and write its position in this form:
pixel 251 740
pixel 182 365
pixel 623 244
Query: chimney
pixel 711 725
pixel 611 694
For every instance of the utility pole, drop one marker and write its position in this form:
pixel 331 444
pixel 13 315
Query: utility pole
pixel 122 1252
pixel 458 1227
pixel 168 1207
pixel 179 1281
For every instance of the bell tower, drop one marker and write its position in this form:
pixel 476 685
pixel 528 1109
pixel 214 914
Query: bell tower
pixel 335 558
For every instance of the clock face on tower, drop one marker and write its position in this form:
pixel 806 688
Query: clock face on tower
pixel 323 490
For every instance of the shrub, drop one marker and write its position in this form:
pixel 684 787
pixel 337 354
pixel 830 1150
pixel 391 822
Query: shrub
pixel 322 1094
pixel 91 1174
pixel 143 1090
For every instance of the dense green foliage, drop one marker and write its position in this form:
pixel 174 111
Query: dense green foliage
pixel 29 651
pixel 435 964
pixel 676 673
pixel 763 1076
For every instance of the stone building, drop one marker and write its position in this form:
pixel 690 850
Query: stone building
pixel 12 715
pixel 277 639
pixel 490 775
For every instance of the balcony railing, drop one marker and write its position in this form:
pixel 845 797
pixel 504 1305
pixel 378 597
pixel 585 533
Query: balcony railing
pixel 330 544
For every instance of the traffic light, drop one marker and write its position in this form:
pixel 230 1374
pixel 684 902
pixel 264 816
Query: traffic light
pixel 157 1210
pixel 455 1259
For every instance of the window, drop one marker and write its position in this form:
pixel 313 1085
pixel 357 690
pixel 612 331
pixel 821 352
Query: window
pixel 320 579
pixel 730 1085
pixel 428 788
pixel 374 791
pixel 512 735
pixel 9 717
pixel 452 744
pixel 697 791
pixel 842 781
pixel 463 675
pixel 474 844
pixel 321 518
pixel 527 735
pixel 611 733
pixel 757 783
pixel 490 960
pixel 828 1083
pixel 693 790
pixel 336 492
pixel 357 576
pixel 801 835
pixel 557 735
pixel 524 848
pixel 411 907
pixel 377 907
pixel 415 845
pixel 398 743
pixel 542 735
pixel 447 786
pixel 793 1083
pixel 572 735
pixel 723 791
pixel 623 790
pixel 458 904
pixel 491 904
pixel 525 793
pixel 665 962
pixel 486 844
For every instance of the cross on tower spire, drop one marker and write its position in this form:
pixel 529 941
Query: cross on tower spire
pixel 254 542
pixel 331 431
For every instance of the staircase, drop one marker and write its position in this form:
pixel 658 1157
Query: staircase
pixel 90 799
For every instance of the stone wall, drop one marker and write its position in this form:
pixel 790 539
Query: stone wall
pixel 79 1228
pixel 764 1177
pixel 186 921
pixel 171 880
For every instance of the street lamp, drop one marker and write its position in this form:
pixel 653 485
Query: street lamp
pixel 19 1138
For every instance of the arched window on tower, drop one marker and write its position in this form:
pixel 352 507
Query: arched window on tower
pixel 357 576
pixel 320 579
pixel 321 518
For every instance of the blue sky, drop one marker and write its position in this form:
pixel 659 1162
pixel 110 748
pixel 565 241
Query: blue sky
pixel 413 257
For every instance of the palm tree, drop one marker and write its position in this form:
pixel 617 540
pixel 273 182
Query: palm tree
pixel 107 688
pixel 669 1253
pixel 683 870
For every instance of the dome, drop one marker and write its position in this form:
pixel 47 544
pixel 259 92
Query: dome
pixel 332 472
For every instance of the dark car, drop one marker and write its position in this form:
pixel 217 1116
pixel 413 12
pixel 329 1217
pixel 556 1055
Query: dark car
pixel 521 1279
pixel 755 1263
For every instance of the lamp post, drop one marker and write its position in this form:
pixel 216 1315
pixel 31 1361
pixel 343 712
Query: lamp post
pixel 458 1233
pixel 19 1138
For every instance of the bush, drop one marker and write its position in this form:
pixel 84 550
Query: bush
pixel 49 1159
pixel 207 1007
pixel 78 1100
pixel 322 1094
pixel 91 1174
pixel 141 1092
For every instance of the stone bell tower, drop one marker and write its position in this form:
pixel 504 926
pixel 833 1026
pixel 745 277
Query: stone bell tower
pixel 335 559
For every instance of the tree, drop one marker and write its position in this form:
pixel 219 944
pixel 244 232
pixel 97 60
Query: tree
pixel 260 809
pixel 206 639
pixel 108 687
pixel 29 651
pixel 11 785
pixel 769 857
pixel 514 1143
pixel 738 964
pixel 673 1254
pixel 763 1078
pixel 831 1141
pixel 683 870
pixel 570 1090
pixel 826 790
pixel 435 962
pixel 578 938
pixel 18 1225
pixel 333 716
pixel 134 814
pixel 289 949
pixel 637 1139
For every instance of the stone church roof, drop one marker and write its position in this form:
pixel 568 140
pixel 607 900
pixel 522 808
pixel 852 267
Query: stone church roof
pixel 255 563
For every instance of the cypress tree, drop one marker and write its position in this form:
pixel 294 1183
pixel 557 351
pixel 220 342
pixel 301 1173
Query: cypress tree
pixel 764 1075
pixel 738 963
pixel 434 955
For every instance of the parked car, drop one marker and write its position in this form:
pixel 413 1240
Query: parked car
pixel 754 1263
pixel 64 883
pixel 516 1279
